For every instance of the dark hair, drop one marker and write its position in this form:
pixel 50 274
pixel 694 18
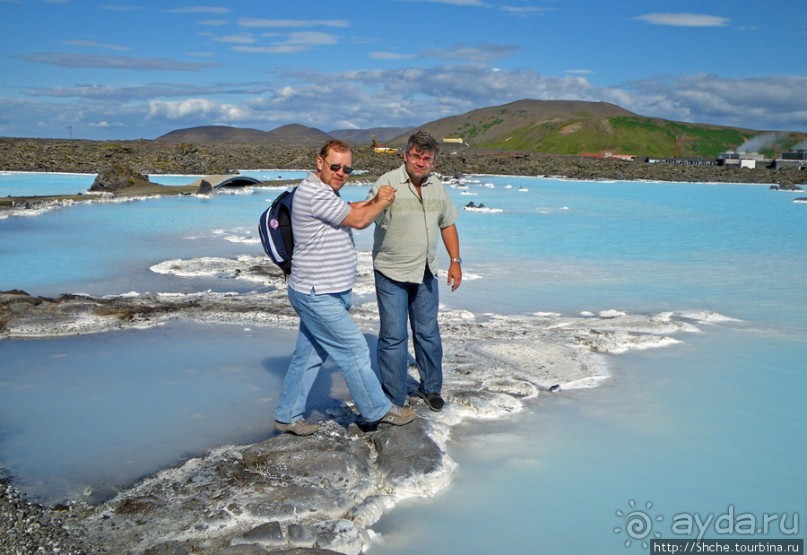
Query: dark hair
pixel 423 142
pixel 334 144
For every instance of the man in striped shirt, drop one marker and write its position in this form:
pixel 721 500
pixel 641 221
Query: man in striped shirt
pixel 322 277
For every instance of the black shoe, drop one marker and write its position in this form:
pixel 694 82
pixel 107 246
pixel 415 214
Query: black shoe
pixel 433 400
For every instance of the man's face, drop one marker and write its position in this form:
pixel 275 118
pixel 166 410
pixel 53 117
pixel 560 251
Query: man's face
pixel 418 164
pixel 335 159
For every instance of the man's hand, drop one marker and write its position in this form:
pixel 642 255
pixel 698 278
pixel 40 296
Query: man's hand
pixel 386 193
pixel 454 275
pixel 364 212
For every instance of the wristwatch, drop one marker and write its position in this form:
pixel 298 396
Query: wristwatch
pixel 457 260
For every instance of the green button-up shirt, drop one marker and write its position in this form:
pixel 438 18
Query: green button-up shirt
pixel 405 239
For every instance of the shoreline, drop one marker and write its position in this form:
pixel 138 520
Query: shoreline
pixel 21 205
pixel 26 202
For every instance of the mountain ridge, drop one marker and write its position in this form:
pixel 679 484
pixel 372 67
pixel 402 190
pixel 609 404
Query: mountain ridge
pixel 571 127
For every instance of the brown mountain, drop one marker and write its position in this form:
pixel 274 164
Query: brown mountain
pixel 296 134
pixel 293 134
pixel 362 137
pixel 213 134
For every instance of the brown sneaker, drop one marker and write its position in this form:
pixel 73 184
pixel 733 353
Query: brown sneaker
pixel 398 416
pixel 298 427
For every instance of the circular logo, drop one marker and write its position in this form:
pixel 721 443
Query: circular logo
pixel 637 524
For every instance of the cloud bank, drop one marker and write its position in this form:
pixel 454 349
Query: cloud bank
pixel 406 96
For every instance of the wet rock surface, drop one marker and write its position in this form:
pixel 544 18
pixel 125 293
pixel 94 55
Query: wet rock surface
pixel 316 492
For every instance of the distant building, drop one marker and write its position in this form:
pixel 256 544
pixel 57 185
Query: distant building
pixel 609 154
pixel 681 161
pixel 800 155
pixel 792 159
pixel 749 160
pixel 382 149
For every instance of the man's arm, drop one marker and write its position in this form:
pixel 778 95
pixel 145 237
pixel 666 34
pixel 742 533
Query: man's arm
pixel 451 240
pixel 364 212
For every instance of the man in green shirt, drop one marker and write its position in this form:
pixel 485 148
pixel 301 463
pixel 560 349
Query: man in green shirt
pixel 405 264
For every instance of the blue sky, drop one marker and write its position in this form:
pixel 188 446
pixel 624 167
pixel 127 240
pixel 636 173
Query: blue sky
pixel 127 69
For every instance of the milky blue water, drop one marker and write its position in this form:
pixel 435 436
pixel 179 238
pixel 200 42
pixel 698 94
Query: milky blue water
pixel 714 425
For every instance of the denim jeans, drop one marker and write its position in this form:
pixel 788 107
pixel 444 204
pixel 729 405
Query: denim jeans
pixel 327 330
pixel 417 302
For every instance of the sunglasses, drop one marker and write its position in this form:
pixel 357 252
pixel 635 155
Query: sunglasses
pixel 336 167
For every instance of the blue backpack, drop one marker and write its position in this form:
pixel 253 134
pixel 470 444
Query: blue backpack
pixel 275 231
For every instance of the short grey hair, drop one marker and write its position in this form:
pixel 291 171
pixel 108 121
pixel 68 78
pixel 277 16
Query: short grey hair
pixel 423 142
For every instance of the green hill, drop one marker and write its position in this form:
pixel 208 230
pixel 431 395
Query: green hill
pixel 578 127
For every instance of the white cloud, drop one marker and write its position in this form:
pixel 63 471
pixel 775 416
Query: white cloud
pixel 280 49
pixel 482 53
pixel 108 93
pixel 243 38
pixel 684 19
pixel 390 56
pixel 411 96
pixel 299 41
pixel 780 102
pixel 201 9
pixel 454 2
pixel 119 8
pixel 522 11
pixel 311 38
pixel 64 59
pixel 196 108
pixel 94 44
pixel 285 23
pixel 105 124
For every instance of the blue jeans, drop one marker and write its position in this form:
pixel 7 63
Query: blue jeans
pixel 327 330
pixel 417 302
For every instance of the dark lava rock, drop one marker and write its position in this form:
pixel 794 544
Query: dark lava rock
pixel 117 176
pixel 205 188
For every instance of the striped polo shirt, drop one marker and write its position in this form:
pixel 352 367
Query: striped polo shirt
pixel 324 256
